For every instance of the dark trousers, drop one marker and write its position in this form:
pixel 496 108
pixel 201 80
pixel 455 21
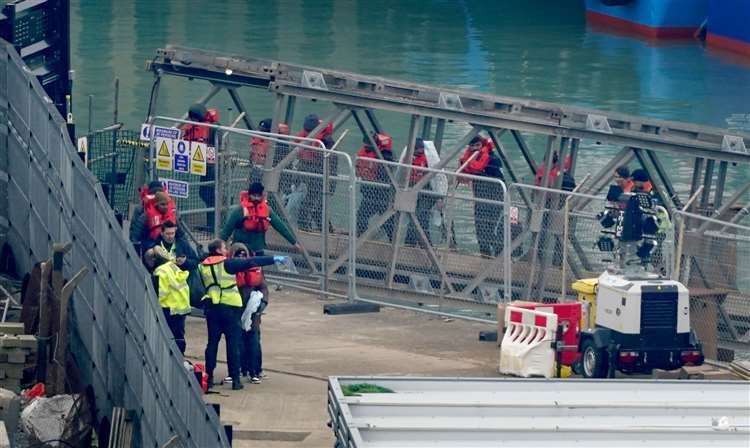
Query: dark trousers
pixel 375 202
pixel 176 324
pixel 423 210
pixel 206 193
pixel 252 354
pixel 224 319
pixel 488 223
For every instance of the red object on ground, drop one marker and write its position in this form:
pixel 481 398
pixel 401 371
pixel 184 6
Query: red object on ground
pixel 38 390
pixel 568 316
pixel 200 374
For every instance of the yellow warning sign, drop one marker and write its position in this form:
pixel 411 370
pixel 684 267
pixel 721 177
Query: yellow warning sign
pixel 164 154
pixel 198 159
pixel 198 154
pixel 164 150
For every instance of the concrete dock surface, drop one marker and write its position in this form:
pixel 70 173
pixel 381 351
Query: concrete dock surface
pixel 302 347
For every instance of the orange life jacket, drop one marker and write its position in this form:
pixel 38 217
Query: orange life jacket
pixel 253 277
pixel 478 165
pixel 257 216
pixel 155 219
pixel 259 150
pixel 367 166
pixel 416 175
pixel 309 154
pixel 213 259
pixel 195 133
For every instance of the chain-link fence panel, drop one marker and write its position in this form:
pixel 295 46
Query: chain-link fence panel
pixel 308 190
pixel 712 259
pixel 432 237
pixel 111 157
pixel 554 234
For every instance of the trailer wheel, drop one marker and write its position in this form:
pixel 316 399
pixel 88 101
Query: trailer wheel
pixel 593 360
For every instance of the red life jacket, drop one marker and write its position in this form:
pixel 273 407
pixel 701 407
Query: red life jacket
pixel 195 133
pixel 155 219
pixel 309 154
pixel 553 173
pixel 480 162
pixel 367 169
pixel 257 216
pixel 253 277
pixel 259 150
pixel 416 175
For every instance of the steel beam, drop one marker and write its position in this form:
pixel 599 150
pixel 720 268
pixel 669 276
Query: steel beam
pixel 724 208
pixel 289 114
pixel 664 177
pixel 519 114
pixel 708 178
pixel 720 184
pixel 241 107
pixel 439 131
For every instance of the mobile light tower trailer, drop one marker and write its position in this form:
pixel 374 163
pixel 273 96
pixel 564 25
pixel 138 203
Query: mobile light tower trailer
pixel 642 319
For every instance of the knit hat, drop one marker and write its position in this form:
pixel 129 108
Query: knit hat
pixel 155 186
pixel 640 175
pixel 311 122
pixel 255 188
pixel 236 247
pixel 265 125
pixel 197 112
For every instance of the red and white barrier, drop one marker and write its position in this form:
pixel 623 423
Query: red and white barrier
pixel 527 347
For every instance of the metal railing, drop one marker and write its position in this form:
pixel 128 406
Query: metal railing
pixel 121 345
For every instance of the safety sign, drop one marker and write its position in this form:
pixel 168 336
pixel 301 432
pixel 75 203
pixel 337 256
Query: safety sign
pixel 159 131
pixel 176 188
pixel 83 149
pixel 181 156
pixel 164 148
pixel 198 153
pixel 211 154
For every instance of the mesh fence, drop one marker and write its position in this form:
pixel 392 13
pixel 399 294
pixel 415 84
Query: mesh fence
pixel 714 264
pixel 308 190
pixel 423 232
pixel 111 157
pixel 554 237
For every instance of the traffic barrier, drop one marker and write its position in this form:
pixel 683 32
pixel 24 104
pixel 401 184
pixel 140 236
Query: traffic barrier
pixel 527 348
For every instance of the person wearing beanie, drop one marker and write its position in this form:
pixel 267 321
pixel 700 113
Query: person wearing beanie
pixel 375 198
pixel 251 354
pixel 249 221
pixel 311 161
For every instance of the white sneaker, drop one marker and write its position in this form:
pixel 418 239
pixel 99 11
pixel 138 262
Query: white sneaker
pixel 255 380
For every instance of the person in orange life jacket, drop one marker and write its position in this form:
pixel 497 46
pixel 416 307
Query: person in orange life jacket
pixel 483 148
pixel 157 209
pixel 195 132
pixel 425 202
pixel 206 135
pixel 171 287
pixel 375 198
pixel 311 161
pixel 248 222
pixel 487 216
pixel 137 222
pixel 568 183
pixel 223 305
pixel 251 355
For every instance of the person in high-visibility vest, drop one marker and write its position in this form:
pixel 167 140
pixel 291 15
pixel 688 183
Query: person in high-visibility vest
pixel 171 283
pixel 223 304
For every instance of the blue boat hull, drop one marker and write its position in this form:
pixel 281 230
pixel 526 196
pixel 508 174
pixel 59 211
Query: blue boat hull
pixel 650 18
pixel 729 25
